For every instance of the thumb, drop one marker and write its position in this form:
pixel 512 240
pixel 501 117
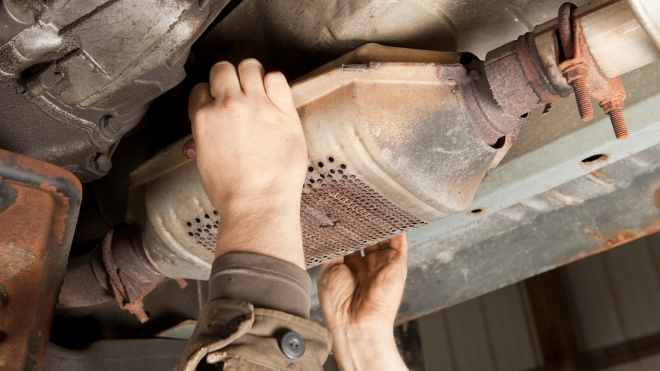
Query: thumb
pixel 189 149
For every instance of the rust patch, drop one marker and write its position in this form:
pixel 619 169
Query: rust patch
pixel 608 243
pixel 590 161
pixel 341 214
pixel 516 80
pixel 599 178
pixel 13 260
pixel 36 227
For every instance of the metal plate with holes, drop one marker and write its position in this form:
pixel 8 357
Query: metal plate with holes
pixel 341 214
pixel 204 229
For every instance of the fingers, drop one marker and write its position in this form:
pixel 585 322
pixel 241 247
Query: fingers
pixel 189 149
pixel 400 243
pixel 279 92
pixel 357 264
pixel 224 81
pixel 200 96
pixel 251 76
pixel 327 265
pixel 371 248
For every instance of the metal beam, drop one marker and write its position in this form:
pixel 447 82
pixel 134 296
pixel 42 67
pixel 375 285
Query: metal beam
pixel 591 214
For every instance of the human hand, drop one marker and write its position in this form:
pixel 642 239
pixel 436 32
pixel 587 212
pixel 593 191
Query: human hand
pixel 251 154
pixel 359 298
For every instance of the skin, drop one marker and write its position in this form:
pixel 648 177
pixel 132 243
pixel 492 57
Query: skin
pixel 359 298
pixel 251 154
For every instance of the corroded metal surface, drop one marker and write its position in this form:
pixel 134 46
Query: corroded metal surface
pixel 116 269
pixel 341 213
pixel 517 78
pixel 583 73
pixel 39 205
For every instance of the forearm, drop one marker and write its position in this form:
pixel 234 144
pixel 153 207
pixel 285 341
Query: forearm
pixel 364 353
pixel 267 225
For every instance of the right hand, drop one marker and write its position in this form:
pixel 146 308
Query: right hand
pixel 359 298
pixel 247 137
pixel 252 157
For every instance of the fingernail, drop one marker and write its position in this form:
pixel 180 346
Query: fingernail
pixel 190 153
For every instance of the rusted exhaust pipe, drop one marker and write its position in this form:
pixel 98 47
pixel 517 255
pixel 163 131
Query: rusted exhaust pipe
pixel 117 269
pixel 582 51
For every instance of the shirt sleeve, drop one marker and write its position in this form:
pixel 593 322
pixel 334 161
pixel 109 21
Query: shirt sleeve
pixel 264 281
pixel 257 307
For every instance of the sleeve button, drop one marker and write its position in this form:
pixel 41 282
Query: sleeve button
pixel 292 345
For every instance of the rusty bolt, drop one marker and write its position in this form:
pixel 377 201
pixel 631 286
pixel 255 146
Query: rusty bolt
pixel 583 100
pixel 614 108
pixel 576 75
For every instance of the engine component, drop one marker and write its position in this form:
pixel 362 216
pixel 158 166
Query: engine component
pixel 39 205
pixel 116 269
pixel 392 145
pixel 75 76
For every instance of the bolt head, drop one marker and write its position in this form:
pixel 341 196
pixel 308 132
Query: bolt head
pixel 102 162
pixel 110 125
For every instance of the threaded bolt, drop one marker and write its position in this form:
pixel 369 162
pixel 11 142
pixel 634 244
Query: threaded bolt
pixel 619 124
pixel 582 97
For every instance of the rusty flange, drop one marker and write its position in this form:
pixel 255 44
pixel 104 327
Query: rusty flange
pixel 131 277
pixel 581 71
pixel 117 268
pixel 517 78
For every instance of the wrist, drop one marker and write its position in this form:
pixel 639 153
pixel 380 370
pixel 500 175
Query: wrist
pixel 267 226
pixel 367 352
pixel 245 204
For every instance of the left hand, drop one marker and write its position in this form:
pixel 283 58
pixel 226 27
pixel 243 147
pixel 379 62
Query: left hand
pixel 360 297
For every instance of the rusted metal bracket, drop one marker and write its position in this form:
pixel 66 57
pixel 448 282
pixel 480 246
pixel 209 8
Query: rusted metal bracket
pixel 39 204
pixel 129 274
pixel 581 71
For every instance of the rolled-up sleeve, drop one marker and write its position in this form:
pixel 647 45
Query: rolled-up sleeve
pixel 256 304
pixel 263 281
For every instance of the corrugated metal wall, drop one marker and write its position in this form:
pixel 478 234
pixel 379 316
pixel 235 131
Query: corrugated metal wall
pixel 493 332
pixel 614 297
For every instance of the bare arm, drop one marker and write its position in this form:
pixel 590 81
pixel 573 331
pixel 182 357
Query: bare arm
pixel 251 153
